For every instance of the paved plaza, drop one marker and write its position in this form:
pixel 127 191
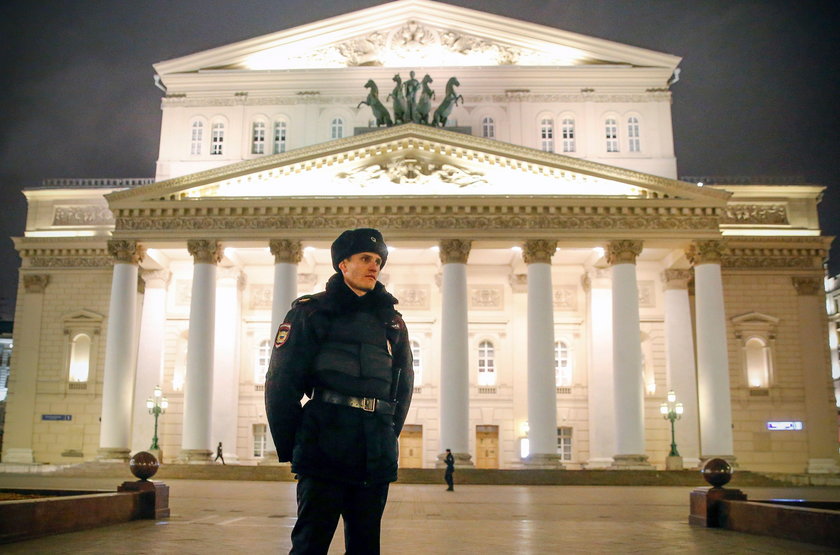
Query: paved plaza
pixel 256 517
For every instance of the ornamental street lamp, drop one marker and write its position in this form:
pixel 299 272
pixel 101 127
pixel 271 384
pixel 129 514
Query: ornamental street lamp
pixel 672 411
pixel 157 405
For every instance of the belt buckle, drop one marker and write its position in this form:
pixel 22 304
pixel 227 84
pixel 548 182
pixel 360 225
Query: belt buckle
pixel 368 404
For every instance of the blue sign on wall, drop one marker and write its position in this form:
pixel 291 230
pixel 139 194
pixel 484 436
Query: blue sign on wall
pixel 56 417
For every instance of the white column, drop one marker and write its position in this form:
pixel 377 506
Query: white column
pixel 454 356
pixel 118 381
pixel 820 409
pixel 679 358
pixel 287 256
pixel 542 383
pixel 225 420
pixel 713 388
pixel 149 358
pixel 628 380
pixel 600 379
pixel 198 386
pixel 23 377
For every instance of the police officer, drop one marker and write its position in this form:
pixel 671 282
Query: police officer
pixel 347 349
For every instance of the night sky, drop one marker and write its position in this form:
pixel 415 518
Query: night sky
pixel 758 93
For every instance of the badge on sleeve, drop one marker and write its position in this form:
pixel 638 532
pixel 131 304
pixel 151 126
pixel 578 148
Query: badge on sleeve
pixel 282 334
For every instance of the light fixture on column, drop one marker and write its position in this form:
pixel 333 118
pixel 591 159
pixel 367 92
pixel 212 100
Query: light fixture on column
pixel 672 410
pixel 157 405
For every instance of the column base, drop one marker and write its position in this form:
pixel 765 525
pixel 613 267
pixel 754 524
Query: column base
pixel 543 460
pixel 462 460
pixel 18 455
pixel 823 466
pixel 196 456
pixel 691 462
pixel 113 454
pixel 269 459
pixel 728 458
pixel 631 462
pixel 598 463
pixel 673 463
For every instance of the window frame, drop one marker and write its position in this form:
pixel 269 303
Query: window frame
pixel 611 128
pixel 546 134
pixel 487 370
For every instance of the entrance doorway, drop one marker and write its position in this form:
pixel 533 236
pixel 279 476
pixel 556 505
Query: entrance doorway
pixel 487 447
pixel 411 446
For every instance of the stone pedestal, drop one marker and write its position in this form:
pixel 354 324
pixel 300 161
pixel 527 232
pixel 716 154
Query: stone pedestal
pixel 113 454
pixel 542 460
pixel 631 462
pixel 673 463
pixel 704 504
pixel 154 498
pixel 196 456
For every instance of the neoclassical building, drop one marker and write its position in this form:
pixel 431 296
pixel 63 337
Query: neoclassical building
pixel 557 279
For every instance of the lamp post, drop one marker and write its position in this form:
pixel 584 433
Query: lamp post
pixel 157 405
pixel 672 411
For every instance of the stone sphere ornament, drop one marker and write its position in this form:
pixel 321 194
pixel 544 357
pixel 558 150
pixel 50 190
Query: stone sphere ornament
pixel 717 472
pixel 143 465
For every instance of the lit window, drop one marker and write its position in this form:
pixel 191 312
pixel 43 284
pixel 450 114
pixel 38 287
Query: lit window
pixel 488 128
pixel 568 131
pixel 260 433
pixel 757 357
pixel 562 364
pixel 486 364
pixel 197 138
pixel 337 128
pixel 279 137
pixel 258 138
pixel 633 134
pixel 564 443
pixel 417 363
pixel 218 137
pixel 547 135
pixel 263 357
pixel 80 358
pixel 611 130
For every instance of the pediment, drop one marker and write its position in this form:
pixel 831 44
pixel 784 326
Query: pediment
pixel 416 33
pixel 416 161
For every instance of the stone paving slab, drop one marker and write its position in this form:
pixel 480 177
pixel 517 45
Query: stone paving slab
pixel 256 517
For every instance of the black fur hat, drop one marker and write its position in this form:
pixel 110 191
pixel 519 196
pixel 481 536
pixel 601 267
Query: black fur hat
pixel 354 241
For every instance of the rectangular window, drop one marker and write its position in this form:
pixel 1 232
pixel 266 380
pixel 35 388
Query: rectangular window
pixel 564 443
pixel 259 440
pixel 611 130
pixel 547 135
pixel 279 137
pixel 197 138
pixel 634 143
pixel 568 131
pixel 258 138
pixel 218 138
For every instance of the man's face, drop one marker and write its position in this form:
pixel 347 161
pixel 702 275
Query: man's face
pixel 360 271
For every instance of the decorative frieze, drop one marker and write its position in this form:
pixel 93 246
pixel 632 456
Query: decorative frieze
pixel 676 279
pixel 756 214
pixel 706 252
pixel 538 251
pixel 205 251
pixel 126 252
pixel 647 295
pixel 156 279
pixel 259 296
pixel 82 215
pixel 415 297
pixel 808 285
pixel 486 297
pixel 286 251
pixel 623 251
pixel 35 283
pixel 454 251
pixel 70 262
pixel 565 298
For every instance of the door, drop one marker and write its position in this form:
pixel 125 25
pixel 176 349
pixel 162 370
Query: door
pixel 411 446
pixel 487 447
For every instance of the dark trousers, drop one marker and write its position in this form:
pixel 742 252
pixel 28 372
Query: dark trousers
pixel 450 482
pixel 321 502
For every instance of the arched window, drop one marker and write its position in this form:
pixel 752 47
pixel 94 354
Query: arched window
pixel 757 357
pixel 258 138
pixel 568 131
pixel 197 138
pixel 279 137
pixel 562 364
pixel 634 143
pixel 263 357
pixel 611 134
pixel 337 128
pixel 417 363
pixel 486 364
pixel 547 135
pixel 488 128
pixel 217 138
pixel 80 358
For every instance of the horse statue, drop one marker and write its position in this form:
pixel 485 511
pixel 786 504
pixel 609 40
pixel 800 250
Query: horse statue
pixel 424 104
pixel 398 95
pixel 379 111
pixel 450 100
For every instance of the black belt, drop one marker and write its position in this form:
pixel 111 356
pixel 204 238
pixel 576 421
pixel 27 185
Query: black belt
pixel 367 404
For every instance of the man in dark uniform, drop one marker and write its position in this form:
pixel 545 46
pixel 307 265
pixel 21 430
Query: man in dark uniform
pixel 449 460
pixel 347 349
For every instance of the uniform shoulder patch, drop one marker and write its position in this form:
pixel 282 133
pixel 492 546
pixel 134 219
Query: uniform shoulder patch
pixel 283 333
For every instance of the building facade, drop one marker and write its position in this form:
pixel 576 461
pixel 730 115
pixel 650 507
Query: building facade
pixel 556 277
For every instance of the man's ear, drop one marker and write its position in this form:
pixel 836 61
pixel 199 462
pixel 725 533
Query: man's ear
pixel 343 265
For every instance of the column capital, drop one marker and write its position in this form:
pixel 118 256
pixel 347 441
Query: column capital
pixel 455 250
pixel 35 283
pixel 285 250
pixel 155 279
pixel 676 279
pixel 623 251
pixel 538 251
pixel 808 285
pixel 205 251
pixel 233 273
pixel 126 252
pixel 518 282
pixel 706 252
